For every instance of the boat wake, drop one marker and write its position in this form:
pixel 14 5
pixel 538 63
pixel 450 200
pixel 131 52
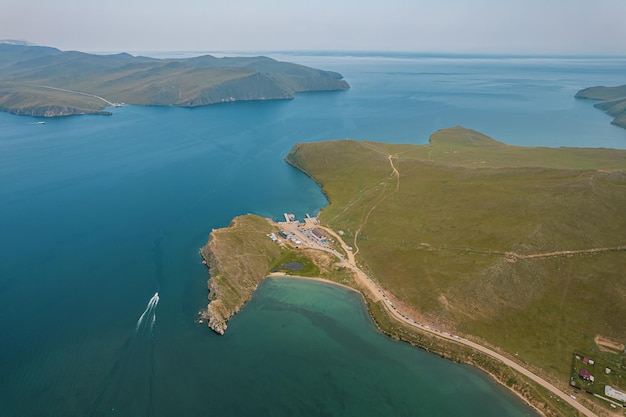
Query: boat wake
pixel 127 388
pixel 149 311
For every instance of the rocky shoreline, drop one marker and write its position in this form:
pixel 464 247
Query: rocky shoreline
pixel 53 111
pixel 238 258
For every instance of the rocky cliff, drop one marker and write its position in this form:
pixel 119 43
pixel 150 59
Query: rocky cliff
pixel 239 258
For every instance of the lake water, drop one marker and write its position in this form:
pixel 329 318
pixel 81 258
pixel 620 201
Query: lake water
pixel 98 213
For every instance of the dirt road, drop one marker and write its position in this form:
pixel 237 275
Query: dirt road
pixel 378 295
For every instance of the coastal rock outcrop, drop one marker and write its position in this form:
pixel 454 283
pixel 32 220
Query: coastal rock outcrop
pixel 54 111
pixel 239 257
pixel 613 101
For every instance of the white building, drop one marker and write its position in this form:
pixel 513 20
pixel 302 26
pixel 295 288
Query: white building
pixel 615 394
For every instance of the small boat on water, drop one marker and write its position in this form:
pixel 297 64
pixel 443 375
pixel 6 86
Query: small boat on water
pixel 40 123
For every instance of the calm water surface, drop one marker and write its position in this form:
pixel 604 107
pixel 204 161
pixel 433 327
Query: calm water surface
pixel 99 213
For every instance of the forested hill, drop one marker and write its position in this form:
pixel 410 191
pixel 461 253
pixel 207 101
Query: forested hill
pixel 44 81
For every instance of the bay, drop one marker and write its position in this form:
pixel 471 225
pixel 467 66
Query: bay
pixel 99 213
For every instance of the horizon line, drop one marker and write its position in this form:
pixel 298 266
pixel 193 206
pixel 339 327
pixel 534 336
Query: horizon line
pixel 402 53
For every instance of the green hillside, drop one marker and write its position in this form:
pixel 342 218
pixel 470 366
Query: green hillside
pixel 523 248
pixel 45 81
pixel 613 101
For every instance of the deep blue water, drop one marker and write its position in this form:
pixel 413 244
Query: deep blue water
pixel 98 213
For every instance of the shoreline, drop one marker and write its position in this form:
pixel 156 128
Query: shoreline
pixel 227 262
pixel 364 174
pixel 316 279
pixel 547 394
pixel 372 294
pixel 491 375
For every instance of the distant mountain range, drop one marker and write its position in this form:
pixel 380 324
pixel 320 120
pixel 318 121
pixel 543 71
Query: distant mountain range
pixel 613 101
pixel 45 81
pixel 16 42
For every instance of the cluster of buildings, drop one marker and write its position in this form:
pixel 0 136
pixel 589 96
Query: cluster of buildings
pixel 584 373
pixel 274 238
pixel 290 236
pixel 612 395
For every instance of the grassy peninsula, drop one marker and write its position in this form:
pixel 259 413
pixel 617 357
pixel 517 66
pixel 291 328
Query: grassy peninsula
pixel 44 81
pixel 238 257
pixel 519 249
pixel 612 101
pixel 487 239
pixel 522 249
pixel 241 255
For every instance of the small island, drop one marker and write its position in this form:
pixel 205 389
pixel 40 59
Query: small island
pixel 46 82
pixel 612 101
pixel 505 257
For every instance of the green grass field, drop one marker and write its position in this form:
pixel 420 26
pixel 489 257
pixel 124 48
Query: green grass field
pixel 307 269
pixel 440 236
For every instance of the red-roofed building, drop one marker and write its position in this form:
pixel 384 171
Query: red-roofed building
pixel 584 374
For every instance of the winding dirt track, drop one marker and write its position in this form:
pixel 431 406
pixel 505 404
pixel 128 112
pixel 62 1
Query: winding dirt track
pixel 383 197
pixel 75 92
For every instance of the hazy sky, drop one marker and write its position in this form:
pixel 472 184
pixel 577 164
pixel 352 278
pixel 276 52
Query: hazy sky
pixel 462 26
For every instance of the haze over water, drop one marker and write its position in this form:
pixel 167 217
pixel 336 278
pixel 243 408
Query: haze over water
pixel 99 213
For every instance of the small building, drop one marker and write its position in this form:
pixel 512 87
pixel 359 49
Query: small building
pixel 586 375
pixel 318 234
pixel 615 394
pixel 589 361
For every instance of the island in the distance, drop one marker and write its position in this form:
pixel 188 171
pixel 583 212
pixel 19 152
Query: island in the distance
pixel 47 82
pixel 613 101
pixel 462 244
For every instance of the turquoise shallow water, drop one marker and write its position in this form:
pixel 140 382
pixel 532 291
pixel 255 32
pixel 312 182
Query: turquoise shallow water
pixel 332 363
pixel 99 213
